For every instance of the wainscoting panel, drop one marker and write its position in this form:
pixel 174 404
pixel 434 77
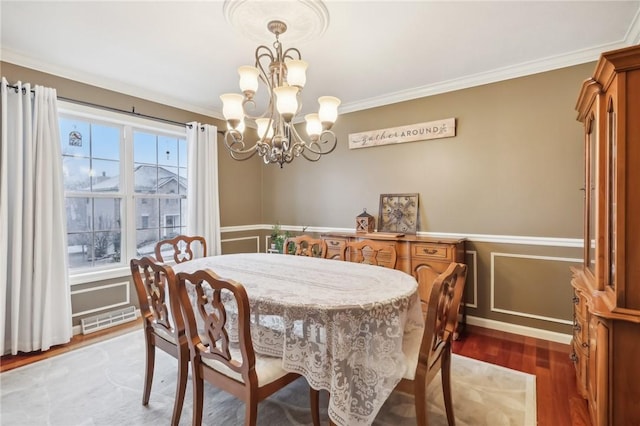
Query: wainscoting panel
pixel 471 287
pixel 100 298
pixel 247 244
pixel 532 286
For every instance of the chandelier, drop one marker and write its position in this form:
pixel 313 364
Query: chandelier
pixel 284 75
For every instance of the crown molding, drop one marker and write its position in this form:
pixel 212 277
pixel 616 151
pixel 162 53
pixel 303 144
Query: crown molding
pixel 499 74
pixel 633 34
pixel 15 58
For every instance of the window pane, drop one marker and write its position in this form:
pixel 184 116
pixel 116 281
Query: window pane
pixel 170 217
pixel 74 137
pixel 105 142
pixel 146 242
pixel 76 173
pixel 105 176
pixel 78 248
pixel 144 148
pixel 183 212
pixel 182 172
pixel 167 151
pixel 106 213
pixel 78 214
pixel 170 182
pixel 145 179
pixel 147 208
pixel 104 248
pixel 182 153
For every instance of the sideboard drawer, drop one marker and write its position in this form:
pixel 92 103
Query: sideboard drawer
pixel 431 251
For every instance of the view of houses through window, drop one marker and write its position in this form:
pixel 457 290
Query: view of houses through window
pixel 125 189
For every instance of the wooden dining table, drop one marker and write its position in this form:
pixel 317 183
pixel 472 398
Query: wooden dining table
pixel 349 328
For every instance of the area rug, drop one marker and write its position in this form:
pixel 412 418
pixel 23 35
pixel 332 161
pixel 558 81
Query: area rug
pixel 101 384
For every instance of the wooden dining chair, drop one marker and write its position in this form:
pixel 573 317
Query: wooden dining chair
pixel 378 253
pixel 435 347
pixel 441 323
pixel 304 245
pixel 182 247
pixel 155 285
pixel 236 369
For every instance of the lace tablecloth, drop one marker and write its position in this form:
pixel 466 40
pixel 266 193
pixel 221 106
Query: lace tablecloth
pixel 349 328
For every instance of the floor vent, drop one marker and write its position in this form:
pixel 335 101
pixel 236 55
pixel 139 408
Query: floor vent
pixel 109 319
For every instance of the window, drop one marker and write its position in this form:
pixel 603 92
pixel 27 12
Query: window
pixel 125 186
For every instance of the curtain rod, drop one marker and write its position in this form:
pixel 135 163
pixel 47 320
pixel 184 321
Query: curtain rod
pixel 108 108
pixel 123 111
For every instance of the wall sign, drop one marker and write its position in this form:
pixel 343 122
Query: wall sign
pixel 414 132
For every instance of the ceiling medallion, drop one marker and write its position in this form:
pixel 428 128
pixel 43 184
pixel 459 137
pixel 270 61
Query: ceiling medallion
pixel 305 19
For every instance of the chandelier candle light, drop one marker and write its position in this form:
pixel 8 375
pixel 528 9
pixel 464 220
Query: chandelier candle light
pixel 278 140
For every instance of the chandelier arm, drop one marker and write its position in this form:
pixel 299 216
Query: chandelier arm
pixel 264 75
pixel 236 147
pixel 286 53
pixel 247 114
pixel 263 51
pixel 301 146
pixel 326 143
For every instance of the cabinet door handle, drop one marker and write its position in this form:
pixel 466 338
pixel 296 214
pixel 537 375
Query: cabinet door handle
pixel 576 300
pixel 577 327
pixel 430 251
pixel 334 243
pixel 585 345
pixel 573 357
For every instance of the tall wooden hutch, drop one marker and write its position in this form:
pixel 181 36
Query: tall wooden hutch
pixel 606 341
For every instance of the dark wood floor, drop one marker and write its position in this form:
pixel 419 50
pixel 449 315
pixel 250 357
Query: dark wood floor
pixel 558 401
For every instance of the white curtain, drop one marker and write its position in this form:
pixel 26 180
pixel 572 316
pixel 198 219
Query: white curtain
pixel 202 182
pixel 34 285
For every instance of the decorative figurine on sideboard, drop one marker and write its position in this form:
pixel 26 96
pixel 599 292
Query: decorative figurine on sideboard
pixel 365 223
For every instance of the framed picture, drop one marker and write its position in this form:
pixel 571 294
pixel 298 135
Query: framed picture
pixel 398 213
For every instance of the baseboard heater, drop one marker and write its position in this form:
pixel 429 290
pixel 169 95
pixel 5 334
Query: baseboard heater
pixel 109 319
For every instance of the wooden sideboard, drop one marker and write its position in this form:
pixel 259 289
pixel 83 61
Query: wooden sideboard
pixel 413 251
pixel 606 340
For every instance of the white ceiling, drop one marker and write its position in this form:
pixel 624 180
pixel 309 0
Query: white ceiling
pixel 185 53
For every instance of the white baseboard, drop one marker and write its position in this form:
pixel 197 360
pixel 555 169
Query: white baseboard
pixel 520 329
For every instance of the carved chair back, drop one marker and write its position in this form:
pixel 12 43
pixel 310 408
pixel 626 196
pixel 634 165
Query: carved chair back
pixel 378 253
pixel 304 245
pixel 182 248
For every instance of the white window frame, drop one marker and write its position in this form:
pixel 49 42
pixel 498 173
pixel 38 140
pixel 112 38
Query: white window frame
pixel 128 226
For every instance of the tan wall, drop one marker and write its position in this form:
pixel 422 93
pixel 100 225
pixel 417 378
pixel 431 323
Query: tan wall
pixel 514 167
